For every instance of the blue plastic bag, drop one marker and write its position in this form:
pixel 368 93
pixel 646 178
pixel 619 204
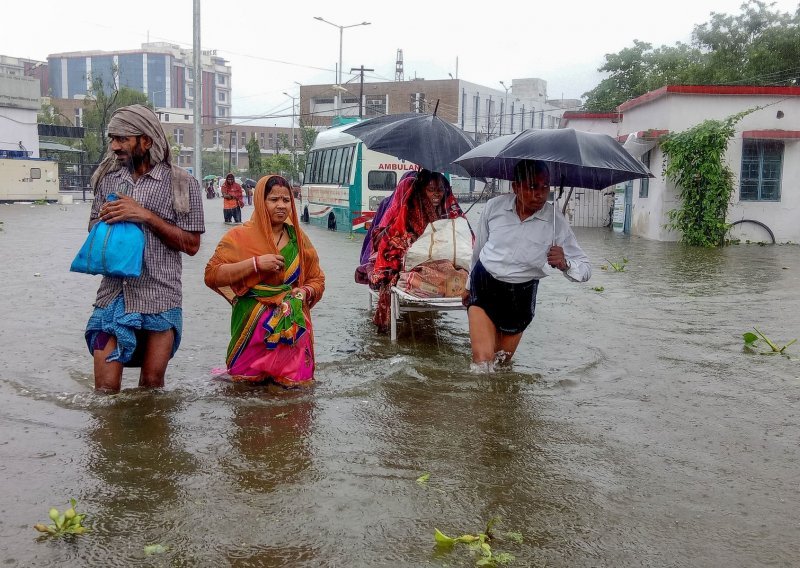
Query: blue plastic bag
pixel 112 250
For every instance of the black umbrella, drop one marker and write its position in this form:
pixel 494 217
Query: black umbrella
pixel 424 139
pixel 575 158
pixel 249 182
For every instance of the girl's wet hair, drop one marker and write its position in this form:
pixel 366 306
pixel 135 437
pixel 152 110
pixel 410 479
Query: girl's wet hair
pixel 424 177
pixel 276 180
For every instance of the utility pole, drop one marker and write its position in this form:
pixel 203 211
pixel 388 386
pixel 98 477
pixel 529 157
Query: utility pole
pixel 230 150
pixel 341 38
pixel 198 95
pixel 477 102
pixel 504 108
pixel 294 145
pixel 361 93
pixel 489 118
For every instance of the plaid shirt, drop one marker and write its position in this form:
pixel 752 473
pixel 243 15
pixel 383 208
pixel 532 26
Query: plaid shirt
pixel 159 287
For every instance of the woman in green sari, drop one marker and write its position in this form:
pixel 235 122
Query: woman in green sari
pixel 269 272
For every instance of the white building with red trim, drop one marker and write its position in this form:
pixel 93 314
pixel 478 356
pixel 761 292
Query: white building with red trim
pixel 600 122
pixel 764 155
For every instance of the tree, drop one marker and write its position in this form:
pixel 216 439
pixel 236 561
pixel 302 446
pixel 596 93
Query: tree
pixel 282 141
pixel 256 169
pixel 278 164
pixel 49 114
pixel 212 164
pixel 97 111
pixel 174 148
pixel 759 46
pixel 639 69
pixel 307 138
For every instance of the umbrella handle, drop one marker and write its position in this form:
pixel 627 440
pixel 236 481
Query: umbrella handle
pixel 560 192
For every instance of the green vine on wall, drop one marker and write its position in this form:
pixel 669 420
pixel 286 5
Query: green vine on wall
pixel 693 161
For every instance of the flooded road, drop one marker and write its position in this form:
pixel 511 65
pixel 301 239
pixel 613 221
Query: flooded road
pixel 632 430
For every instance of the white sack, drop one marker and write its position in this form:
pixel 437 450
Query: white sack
pixel 445 239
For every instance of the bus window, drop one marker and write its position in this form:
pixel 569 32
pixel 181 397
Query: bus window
pixel 336 165
pixel 344 171
pixel 325 169
pixel 347 163
pixel 330 166
pixel 315 159
pixel 307 173
pixel 381 181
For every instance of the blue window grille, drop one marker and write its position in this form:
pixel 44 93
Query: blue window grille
pixel 762 163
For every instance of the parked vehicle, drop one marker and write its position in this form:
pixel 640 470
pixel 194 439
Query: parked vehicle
pixel 345 181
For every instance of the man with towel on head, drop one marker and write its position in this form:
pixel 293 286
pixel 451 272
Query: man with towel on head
pixel 137 322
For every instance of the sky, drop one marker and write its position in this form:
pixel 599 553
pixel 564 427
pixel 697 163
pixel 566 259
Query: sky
pixel 274 46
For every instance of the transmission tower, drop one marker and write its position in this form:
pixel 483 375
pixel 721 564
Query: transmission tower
pixel 398 68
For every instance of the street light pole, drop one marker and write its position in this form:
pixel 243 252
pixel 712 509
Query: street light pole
pixel 152 99
pixel 198 93
pixel 341 39
pixel 294 149
pixel 505 107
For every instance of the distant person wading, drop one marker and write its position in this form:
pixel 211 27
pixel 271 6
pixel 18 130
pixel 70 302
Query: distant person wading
pixel 233 196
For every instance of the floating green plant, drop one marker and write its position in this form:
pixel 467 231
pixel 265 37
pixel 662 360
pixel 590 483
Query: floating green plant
pixel 598 288
pixel 68 522
pixel 615 266
pixel 750 340
pixel 151 549
pixel 481 544
pixel 422 479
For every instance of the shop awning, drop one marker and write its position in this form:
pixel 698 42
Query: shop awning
pixel 638 143
pixel 55 146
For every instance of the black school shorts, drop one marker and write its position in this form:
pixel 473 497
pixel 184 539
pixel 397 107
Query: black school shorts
pixel 510 306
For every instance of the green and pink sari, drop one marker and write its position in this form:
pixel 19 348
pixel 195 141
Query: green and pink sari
pixel 269 338
pixel 272 338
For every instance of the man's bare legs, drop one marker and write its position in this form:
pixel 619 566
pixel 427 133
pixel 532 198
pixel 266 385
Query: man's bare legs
pixel 486 341
pixel 157 352
pixel 506 346
pixel 107 376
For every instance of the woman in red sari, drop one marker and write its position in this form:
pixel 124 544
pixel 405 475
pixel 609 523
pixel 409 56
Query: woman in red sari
pixel 269 272
pixel 428 199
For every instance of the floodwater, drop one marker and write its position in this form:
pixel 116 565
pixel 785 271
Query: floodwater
pixel 632 430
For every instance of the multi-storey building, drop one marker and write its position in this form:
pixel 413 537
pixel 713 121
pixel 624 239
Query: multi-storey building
pixel 22 67
pixel 227 139
pixel 163 71
pixel 481 111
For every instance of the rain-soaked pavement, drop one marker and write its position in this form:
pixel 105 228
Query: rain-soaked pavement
pixel 633 429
